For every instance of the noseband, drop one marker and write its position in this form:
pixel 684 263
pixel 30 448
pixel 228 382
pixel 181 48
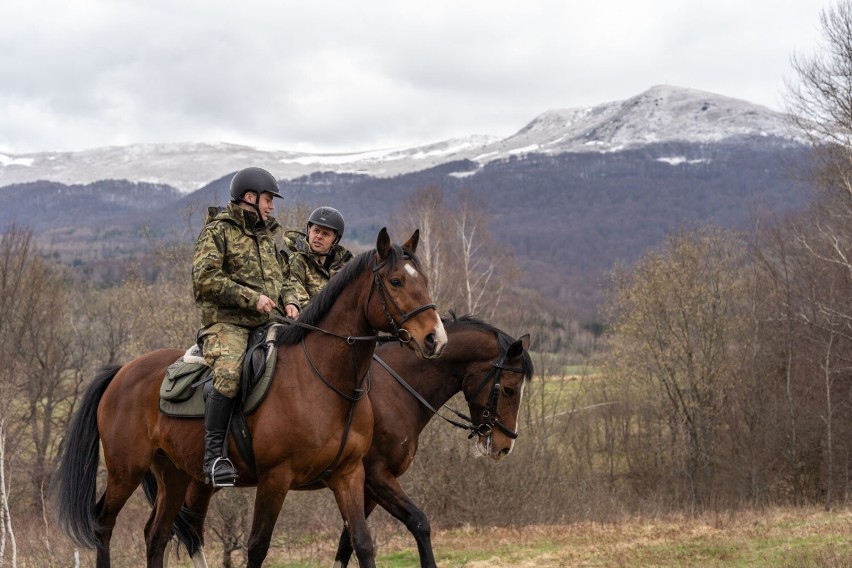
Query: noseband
pixel 402 334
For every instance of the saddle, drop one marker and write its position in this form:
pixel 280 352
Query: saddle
pixel 180 395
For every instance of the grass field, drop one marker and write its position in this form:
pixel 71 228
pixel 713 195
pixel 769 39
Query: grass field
pixel 778 538
pixel 783 538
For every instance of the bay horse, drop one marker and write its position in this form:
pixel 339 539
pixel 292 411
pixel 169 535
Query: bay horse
pixel 314 426
pixel 405 394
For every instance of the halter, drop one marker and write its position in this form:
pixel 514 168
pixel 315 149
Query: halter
pixel 385 297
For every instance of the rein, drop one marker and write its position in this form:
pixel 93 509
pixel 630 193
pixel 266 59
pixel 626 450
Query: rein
pixel 425 402
pixel 489 415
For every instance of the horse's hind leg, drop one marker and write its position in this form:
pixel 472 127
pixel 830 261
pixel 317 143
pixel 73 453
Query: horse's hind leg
pixel 189 524
pixel 384 489
pixel 118 490
pixel 171 487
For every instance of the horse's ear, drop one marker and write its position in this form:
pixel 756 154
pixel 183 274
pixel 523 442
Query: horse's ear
pixel 518 347
pixel 411 244
pixel 383 243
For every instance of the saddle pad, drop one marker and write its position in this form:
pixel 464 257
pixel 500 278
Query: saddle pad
pixel 190 402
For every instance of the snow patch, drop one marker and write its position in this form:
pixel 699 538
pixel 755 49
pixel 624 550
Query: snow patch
pixel 10 161
pixel 676 160
pixel 524 150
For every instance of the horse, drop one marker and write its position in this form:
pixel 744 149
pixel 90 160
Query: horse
pixel 313 428
pixel 405 394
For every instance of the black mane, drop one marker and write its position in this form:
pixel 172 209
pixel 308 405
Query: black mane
pixel 504 340
pixel 322 302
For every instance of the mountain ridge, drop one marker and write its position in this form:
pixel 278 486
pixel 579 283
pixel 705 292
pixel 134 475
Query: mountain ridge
pixel 660 114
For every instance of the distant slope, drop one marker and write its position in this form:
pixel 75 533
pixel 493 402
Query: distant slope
pixel 662 114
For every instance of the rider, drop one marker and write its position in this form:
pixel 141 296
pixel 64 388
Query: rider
pixel 238 272
pixel 315 259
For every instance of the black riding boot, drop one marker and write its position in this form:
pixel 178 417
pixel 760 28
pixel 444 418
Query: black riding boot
pixel 218 470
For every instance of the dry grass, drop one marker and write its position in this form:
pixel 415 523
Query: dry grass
pixel 781 537
pixel 784 538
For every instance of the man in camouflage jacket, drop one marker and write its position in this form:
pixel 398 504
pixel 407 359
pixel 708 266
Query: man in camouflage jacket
pixel 315 258
pixel 238 272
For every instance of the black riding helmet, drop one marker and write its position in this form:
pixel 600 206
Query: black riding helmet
pixel 253 179
pixel 327 217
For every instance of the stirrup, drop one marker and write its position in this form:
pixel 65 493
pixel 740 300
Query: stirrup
pixel 226 481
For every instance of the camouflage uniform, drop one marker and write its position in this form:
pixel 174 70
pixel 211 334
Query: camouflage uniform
pixel 236 260
pixel 309 273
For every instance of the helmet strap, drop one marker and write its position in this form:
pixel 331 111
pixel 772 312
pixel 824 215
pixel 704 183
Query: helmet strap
pixel 255 206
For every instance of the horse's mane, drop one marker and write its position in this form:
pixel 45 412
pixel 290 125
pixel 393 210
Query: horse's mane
pixel 322 302
pixel 504 340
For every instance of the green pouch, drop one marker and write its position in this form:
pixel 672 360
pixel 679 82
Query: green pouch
pixel 180 376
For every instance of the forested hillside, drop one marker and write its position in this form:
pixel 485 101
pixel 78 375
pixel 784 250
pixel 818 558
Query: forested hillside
pixel 567 218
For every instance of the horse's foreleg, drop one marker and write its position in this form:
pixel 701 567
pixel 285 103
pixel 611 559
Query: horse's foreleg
pixel 384 488
pixel 271 490
pixel 344 544
pixel 348 488
pixel 171 488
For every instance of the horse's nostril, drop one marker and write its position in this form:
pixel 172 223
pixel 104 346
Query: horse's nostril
pixel 430 342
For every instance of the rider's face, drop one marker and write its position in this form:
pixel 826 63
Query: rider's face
pixel 265 204
pixel 320 239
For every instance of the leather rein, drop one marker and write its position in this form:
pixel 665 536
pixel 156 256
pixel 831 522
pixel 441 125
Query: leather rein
pixel 489 421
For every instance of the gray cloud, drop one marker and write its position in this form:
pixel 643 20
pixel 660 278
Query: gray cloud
pixel 336 75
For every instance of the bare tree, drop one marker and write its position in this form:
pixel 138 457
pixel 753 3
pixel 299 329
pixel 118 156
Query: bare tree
pixel 480 278
pixel 677 323
pixel 426 209
pixel 467 270
pixel 6 531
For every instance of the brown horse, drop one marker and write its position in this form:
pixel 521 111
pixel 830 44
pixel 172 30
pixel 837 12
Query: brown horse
pixel 481 361
pixel 314 426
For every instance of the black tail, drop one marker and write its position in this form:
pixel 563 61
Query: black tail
pixel 75 478
pixel 182 527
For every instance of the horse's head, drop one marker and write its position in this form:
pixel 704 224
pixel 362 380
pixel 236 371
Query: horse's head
pixel 402 304
pixel 494 397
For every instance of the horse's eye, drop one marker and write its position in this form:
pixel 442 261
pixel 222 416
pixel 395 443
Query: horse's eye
pixel 396 282
pixel 509 391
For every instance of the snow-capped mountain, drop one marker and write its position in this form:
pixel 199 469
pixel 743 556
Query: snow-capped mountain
pixel 660 114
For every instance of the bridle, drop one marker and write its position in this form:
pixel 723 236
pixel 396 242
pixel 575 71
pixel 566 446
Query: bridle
pixel 400 333
pixel 489 420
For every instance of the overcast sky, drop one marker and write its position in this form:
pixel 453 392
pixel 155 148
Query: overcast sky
pixel 338 75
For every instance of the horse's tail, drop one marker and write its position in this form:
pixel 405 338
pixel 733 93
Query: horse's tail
pixel 182 527
pixel 76 476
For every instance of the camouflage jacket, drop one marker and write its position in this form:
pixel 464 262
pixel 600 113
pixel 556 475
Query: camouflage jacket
pixel 309 273
pixel 235 262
